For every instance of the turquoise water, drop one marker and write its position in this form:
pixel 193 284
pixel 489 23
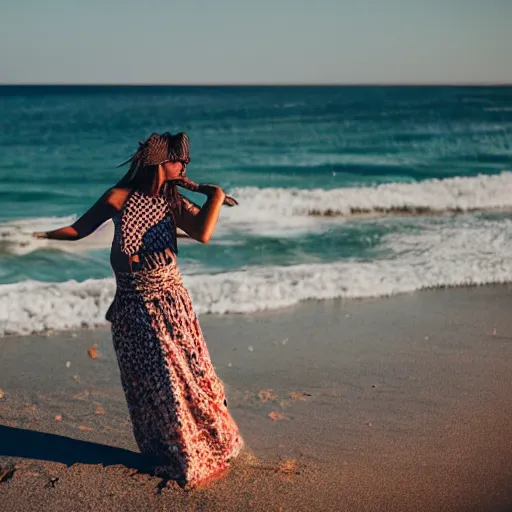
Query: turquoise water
pixel 284 152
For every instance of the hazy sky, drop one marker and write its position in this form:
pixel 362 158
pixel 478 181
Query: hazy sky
pixel 262 41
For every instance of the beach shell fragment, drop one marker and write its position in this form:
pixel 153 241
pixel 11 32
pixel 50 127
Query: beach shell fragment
pixel 58 417
pixel 2 394
pixel 93 352
pixel 99 411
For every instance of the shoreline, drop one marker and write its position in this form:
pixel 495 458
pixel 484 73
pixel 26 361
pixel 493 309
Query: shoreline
pixel 398 403
pixel 105 326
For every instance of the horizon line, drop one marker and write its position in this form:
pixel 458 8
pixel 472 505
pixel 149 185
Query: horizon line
pixel 257 84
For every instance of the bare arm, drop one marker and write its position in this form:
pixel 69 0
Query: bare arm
pixel 200 223
pixel 104 209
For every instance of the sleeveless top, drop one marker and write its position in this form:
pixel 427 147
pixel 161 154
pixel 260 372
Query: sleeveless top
pixel 144 234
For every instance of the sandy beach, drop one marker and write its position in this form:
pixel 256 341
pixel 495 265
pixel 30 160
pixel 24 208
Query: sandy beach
pixel 397 404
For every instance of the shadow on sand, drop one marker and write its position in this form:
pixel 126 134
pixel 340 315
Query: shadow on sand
pixel 29 444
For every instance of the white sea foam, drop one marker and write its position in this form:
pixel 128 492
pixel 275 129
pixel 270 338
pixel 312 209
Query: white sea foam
pixel 16 236
pixel 460 193
pixel 287 212
pixel 462 253
pixel 290 212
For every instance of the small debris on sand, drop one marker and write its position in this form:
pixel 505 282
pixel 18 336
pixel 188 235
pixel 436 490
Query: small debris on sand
pixel 58 417
pixel 99 411
pixel 299 396
pixel 52 481
pixel 68 364
pixel 277 416
pixel 288 467
pixel 85 429
pixel 250 348
pixel 266 395
pixel 2 394
pixel 81 396
pixel 93 352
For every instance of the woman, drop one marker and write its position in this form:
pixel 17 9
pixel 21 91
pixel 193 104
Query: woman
pixel 176 401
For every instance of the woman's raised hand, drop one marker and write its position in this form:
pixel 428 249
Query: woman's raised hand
pixel 230 201
pixel 202 188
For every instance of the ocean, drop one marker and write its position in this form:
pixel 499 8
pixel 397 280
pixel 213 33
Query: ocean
pixel 344 192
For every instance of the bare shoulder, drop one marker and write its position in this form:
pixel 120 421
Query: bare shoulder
pixel 116 197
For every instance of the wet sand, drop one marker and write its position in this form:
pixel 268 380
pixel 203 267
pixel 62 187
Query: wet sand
pixel 390 404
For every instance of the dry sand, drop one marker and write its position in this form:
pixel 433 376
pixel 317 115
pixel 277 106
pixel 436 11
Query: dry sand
pixel 392 404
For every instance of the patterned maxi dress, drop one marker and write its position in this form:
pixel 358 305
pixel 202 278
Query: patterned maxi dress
pixel 176 401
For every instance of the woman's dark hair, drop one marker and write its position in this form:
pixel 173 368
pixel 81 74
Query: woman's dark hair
pixel 155 150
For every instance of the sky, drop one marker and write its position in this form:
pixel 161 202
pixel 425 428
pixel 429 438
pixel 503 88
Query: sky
pixel 260 42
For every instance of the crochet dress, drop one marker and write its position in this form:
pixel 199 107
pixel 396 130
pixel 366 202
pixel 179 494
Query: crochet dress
pixel 176 401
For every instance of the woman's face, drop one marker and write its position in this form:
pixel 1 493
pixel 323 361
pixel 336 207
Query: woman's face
pixel 173 170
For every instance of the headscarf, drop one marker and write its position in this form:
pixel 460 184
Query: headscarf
pixel 155 150
pixel 160 148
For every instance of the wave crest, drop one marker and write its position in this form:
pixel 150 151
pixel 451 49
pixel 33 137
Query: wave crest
pixel 451 195
pixel 464 254
pixel 290 212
